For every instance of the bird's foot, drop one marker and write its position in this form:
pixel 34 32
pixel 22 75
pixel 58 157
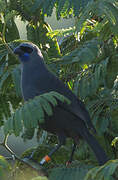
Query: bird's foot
pixel 30 157
pixel 68 163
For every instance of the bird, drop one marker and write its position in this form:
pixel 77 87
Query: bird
pixel 68 120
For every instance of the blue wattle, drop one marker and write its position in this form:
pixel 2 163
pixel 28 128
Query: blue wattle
pixel 25 57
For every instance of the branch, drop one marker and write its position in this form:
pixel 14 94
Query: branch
pixel 30 163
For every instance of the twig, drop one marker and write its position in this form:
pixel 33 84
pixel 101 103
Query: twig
pixel 31 164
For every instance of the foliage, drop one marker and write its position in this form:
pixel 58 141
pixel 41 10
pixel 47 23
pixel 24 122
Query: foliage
pixel 115 140
pixel 40 178
pixel 4 168
pixel 64 8
pixel 107 171
pixel 70 173
pixel 86 61
pixel 37 33
pixel 33 109
pixel 83 171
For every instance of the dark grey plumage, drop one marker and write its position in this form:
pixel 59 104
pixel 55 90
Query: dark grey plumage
pixel 67 120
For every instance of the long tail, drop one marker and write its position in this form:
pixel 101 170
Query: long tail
pixel 95 146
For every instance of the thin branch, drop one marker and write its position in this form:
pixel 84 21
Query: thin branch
pixel 30 163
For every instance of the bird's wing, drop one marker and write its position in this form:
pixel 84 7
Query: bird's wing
pixel 80 112
pixel 76 107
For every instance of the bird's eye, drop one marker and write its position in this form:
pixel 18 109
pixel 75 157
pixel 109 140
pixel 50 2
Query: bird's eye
pixel 26 49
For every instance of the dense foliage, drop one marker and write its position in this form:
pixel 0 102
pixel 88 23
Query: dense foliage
pixel 87 60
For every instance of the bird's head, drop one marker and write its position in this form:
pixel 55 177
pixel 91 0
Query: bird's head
pixel 26 51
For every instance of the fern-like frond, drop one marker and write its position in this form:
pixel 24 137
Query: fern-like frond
pixel 75 173
pixel 85 54
pixel 89 80
pixel 63 7
pixel 16 75
pixel 107 171
pixel 106 10
pixel 3 79
pixel 32 113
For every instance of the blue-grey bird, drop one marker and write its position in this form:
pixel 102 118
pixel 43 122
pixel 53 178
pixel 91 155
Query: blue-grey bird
pixel 71 120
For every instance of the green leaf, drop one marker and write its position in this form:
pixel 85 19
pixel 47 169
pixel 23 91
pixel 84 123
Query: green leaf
pixel 11 31
pixel 31 114
pixel 103 172
pixel 27 118
pixel 18 124
pixel 60 97
pixel 50 98
pixel 72 173
pixel 38 110
pixel 46 106
pixel 16 74
pixel 3 54
pixel 111 13
pixel 32 111
pixel 9 126
pixel 85 54
pixel 3 78
pixel 4 168
pixel 85 14
pixel 37 4
pixel 40 178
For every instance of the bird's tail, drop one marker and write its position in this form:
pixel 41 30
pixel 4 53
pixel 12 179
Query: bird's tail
pixel 95 146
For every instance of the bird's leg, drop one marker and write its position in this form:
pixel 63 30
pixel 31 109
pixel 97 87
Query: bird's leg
pixel 48 157
pixel 72 153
